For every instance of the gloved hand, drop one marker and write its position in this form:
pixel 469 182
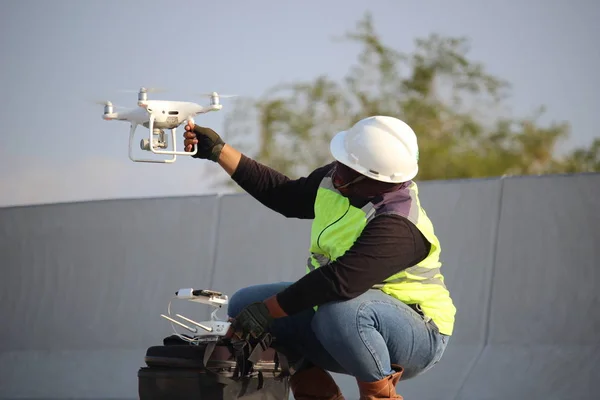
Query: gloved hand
pixel 252 322
pixel 209 142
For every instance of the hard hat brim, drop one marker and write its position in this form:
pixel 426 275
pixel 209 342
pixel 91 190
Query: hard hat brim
pixel 336 147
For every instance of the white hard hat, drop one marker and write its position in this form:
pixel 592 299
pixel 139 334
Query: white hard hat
pixel 382 148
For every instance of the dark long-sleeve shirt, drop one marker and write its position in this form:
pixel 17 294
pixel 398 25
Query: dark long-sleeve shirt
pixel 387 245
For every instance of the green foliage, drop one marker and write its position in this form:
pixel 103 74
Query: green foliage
pixel 453 104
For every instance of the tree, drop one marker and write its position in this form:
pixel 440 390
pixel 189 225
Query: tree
pixel 582 159
pixel 452 102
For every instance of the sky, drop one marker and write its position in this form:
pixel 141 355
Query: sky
pixel 58 56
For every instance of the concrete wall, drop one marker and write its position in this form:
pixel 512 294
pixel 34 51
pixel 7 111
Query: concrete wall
pixel 83 285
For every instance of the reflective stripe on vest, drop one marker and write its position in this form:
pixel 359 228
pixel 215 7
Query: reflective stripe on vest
pixel 337 224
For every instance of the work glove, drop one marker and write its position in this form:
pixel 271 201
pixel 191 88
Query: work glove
pixel 252 322
pixel 209 142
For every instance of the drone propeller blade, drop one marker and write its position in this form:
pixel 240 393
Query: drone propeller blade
pixel 148 90
pixel 106 102
pixel 223 96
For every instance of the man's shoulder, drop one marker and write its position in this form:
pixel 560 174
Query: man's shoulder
pixel 317 174
pixel 323 170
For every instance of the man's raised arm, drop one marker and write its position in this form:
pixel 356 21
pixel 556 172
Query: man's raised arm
pixel 293 198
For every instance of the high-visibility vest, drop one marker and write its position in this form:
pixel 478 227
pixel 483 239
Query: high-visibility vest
pixel 337 225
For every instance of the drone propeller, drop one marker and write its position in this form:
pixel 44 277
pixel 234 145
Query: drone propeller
pixel 144 89
pixel 223 96
pixel 109 103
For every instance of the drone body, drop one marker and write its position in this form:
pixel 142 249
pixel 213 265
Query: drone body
pixel 158 116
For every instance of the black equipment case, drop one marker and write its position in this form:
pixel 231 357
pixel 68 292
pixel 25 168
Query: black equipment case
pixel 211 371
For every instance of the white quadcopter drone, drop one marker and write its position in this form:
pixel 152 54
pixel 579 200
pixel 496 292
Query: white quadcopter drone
pixel 158 116
pixel 202 331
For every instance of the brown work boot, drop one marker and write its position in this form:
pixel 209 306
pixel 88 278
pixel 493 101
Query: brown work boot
pixel 383 389
pixel 314 383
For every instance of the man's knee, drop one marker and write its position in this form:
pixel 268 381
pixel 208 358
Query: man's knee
pixel 251 294
pixel 239 300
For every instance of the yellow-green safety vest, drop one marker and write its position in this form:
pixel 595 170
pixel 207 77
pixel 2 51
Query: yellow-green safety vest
pixel 337 225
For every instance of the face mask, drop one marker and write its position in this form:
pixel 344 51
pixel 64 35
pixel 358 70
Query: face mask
pixel 343 177
pixel 351 183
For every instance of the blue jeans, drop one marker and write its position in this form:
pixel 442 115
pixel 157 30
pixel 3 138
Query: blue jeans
pixel 360 337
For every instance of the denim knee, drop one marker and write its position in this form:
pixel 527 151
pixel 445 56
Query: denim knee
pixel 251 294
pixel 238 301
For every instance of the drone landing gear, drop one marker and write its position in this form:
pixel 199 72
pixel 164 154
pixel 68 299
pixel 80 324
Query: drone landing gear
pixel 156 144
pixel 161 141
